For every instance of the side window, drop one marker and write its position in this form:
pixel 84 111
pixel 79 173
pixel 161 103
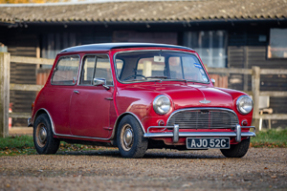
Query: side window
pixel 88 70
pixel 96 66
pixel 66 71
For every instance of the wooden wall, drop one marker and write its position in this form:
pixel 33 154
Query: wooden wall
pixel 246 50
pixel 148 37
pixel 21 45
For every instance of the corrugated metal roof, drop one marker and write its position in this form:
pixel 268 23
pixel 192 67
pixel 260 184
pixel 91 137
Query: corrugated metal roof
pixel 142 11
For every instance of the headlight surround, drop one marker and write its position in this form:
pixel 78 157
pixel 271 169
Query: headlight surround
pixel 161 104
pixel 244 104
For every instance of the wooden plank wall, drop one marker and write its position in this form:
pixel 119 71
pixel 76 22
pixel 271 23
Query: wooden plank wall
pixel 244 51
pixel 149 37
pixel 96 37
pixel 21 45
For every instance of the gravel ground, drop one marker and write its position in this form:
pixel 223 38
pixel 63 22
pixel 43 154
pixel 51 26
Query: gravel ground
pixel 260 169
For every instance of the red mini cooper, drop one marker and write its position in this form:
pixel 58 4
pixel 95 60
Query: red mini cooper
pixel 138 96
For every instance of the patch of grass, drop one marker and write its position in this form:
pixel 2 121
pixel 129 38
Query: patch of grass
pixel 16 145
pixel 270 138
pixel 16 142
pixel 24 145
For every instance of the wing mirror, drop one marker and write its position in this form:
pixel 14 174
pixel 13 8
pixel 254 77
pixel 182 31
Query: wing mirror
pixel 213 81
pixel 100 82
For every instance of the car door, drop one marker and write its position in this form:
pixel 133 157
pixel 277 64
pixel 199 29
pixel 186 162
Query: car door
pixel 58 92
pixel 90 104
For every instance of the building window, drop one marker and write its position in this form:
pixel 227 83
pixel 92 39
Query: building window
pixel 210 45
pixel 278 43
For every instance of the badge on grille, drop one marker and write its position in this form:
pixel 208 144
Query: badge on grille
pixel 205 101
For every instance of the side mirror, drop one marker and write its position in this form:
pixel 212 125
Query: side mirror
pixel 98 81
pixel 213 81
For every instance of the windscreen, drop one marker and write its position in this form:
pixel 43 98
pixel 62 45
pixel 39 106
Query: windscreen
pixel 154 65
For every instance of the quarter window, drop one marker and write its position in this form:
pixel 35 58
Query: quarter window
pixel 96 66
pixel 66 71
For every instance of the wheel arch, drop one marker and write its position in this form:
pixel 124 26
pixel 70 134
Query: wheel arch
pixel 120 118
pixel 44 111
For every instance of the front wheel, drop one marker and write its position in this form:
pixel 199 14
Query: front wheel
pixel 130 140
pixel 238 150
pixel 44 141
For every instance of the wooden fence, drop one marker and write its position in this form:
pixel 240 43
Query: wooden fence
pixel 255 73
pixel 5 86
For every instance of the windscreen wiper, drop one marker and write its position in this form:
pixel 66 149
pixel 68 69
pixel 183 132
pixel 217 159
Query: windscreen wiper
pixel 162 77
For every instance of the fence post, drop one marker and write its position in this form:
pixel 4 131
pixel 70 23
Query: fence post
pixel 4 93
pixel 255 95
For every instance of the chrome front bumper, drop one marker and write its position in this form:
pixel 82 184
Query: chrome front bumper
pixel 176 134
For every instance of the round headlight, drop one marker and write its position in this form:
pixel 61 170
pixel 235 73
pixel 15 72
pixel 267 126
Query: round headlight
pixel 161 104
pixel 244 104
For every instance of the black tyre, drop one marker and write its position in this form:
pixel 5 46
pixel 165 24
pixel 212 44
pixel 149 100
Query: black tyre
pixel 130 140
pixel 44 141
pixel 238 150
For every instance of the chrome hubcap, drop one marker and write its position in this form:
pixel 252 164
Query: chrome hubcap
pixel 41 135
pixel 127 137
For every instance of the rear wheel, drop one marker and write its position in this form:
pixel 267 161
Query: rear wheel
pixel 130 140
pixel 238 150
pixel 44 141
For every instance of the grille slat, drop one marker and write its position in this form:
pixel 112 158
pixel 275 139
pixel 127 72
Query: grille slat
pixel 204 119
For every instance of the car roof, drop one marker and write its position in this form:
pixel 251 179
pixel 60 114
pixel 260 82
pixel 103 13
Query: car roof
pixel 109 46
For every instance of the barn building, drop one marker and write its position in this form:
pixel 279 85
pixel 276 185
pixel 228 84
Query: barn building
pixel 225 33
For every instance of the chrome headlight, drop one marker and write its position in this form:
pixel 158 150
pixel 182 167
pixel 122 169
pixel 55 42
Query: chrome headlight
pixel 161 104
pixel 244 104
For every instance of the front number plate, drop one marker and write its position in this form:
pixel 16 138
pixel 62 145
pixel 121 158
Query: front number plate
pixel 208 143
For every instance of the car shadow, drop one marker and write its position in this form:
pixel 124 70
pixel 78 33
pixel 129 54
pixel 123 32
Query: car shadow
pixel 150 154
pixel 182 155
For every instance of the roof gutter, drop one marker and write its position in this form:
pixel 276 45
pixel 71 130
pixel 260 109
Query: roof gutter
pixel 142 21
pixel 84 3
pixel 8 24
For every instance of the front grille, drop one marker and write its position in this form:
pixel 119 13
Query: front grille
pixel 204 119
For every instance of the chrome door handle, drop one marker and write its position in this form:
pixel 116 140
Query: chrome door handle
pixel 76 91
